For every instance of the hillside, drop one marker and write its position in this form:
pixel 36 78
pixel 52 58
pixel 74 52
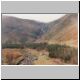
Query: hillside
pixel 29 42
pixel 16 30
pixel 62 31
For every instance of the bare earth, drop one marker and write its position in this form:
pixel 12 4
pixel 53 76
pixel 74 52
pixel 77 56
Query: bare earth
pixel 28 57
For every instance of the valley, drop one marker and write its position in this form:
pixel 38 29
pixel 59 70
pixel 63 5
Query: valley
pixel 30 42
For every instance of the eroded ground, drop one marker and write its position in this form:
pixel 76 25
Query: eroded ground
pixel 28 57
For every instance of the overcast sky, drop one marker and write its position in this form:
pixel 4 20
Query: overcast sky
pixel 38 17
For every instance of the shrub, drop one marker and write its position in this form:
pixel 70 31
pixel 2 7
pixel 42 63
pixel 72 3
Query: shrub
pixel 12 46
pixel 55 51
pixel 61 51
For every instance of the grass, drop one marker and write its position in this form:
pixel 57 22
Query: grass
pixel 63 52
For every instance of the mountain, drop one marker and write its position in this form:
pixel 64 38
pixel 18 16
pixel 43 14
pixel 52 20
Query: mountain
pixel 62 31
pixel 16 30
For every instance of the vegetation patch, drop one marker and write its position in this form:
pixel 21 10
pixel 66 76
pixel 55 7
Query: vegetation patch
pixel 63 52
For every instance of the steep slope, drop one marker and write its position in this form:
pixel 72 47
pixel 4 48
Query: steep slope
pixel 16 30
pixel 62 31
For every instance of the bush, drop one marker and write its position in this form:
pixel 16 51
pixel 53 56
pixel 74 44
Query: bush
pixel 38 46
pixel 55 51
pixel 61 51
pixel 12 46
